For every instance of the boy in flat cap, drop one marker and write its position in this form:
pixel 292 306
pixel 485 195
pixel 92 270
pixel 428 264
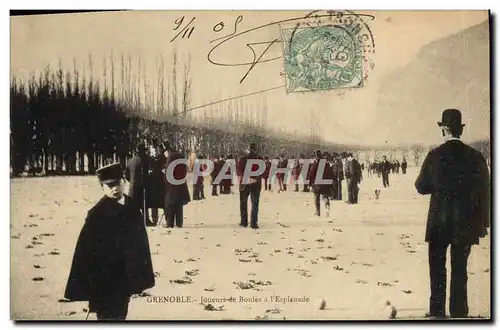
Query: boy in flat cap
pixel 457 178
pixel 112 259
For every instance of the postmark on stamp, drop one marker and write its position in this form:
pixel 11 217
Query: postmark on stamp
pixel 327 56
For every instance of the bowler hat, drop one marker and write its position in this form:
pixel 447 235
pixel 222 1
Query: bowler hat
pixel 141 147
pixel 109 173
pixel 451 118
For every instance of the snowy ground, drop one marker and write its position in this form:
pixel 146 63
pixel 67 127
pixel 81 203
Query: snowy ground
pixel 359 257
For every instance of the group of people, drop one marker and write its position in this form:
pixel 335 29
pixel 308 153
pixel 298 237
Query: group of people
pixel 148 187
pixel 385 167
pixel 112 259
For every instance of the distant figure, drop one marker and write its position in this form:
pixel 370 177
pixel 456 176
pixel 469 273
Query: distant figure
pixel 228 182
pixel 338 176
pixel 457 178
pixel 320 190
pixel 296 172
pixel 191 160
pixel 303 162
pixel 156 186
pixel 282 163
pixel 265 176
pixel 137 173
pixel 198 185
pixel 354 174
pixel 404 166
pixel 251 188
pixel 385 168
pixel 176 195
pixel 112 258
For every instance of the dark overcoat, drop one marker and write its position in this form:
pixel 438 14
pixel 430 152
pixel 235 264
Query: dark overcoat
pixel 457 178
pixel 353 172
pixel 137 172
pixel 325 189
pixel 177 193
pixel 112 255
pixel 155 191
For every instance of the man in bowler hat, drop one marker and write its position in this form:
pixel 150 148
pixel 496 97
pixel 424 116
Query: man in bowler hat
pixel 251 188
pixel 112 259
pixel 457 178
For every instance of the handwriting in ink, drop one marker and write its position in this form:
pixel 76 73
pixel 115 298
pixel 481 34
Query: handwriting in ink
pixel 185 30
pixel 220 26
pixel 255 61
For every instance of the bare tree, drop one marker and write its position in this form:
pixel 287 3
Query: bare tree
pixel 186 88
pixel 417 154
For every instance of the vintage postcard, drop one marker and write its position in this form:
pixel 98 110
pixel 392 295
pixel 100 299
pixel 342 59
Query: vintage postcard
pixel 250 165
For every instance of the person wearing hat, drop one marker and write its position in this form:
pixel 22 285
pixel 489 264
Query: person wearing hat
pixel 338 176
pixel 137 174
pixel 112 258
pixel 385 169
pixel 303 162
pixel 265 175
pixel 250 188
pixel 404 165
pixel 320 189
pixel 156 184
pixel 282 164
pixel 457 178
pixel 176 195
pixel 225 184
pixel 353 175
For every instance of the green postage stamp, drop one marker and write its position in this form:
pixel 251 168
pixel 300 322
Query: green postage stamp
pixel 322 58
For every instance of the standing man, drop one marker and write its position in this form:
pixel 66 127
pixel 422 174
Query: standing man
pixel 457 178
pixel 176 194
pixel 218 163
pixel 198 185
pixel 305 188
pixel 354 175
pixel 112 259
pixel 385 168
pixel 404 166
pixel 297 167
pixel 136 173
pixel 320 189
pixel 338 176
pixel 156 186
pixel 251 188
pixel 265 176
pixel 282 163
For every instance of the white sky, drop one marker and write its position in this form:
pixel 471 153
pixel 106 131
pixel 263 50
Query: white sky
pixel 343 116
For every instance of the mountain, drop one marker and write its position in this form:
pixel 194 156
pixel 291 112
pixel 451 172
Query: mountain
pixel 452 72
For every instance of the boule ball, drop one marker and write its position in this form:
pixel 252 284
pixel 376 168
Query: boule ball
pixel 322 304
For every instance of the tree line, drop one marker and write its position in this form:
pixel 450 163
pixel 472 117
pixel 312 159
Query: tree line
pixel 65 123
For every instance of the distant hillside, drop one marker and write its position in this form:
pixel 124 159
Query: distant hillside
pixel 449 72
